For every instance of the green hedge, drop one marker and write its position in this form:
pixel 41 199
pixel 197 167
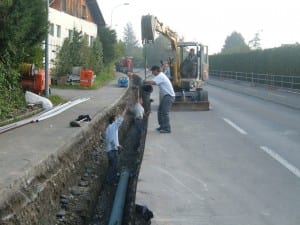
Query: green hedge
pixel 11 95
pixel 283 60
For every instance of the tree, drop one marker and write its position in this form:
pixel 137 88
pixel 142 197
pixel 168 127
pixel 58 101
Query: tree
pixel 97 52
pixel 77 52
pixel 132 47
pixel 23 28
pixel 75 47
pixel 108 38
pixel 63 62
pixel 159 50
pixel 255 42
pixel 129 39
pixel 235 43
pixel 23 45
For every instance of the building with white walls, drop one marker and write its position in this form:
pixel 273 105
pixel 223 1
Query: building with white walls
pixel 65 15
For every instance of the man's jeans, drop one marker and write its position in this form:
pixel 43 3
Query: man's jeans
pixel 112 166
pixel 139 127
pixel 163 112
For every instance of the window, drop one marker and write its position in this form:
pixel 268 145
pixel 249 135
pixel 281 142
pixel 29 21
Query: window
pixel 63 5
pixel 51 29
pixel 70 34
pixel 83 15
pixel 58 31
pixel 91 40
pixel 86 38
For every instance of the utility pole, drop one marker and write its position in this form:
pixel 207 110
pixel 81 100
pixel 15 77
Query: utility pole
pixel 47 55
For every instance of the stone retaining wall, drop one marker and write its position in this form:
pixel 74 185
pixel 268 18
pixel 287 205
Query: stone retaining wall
pixel 77 168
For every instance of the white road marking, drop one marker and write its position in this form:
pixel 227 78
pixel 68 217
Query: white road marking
pixel 277 95
pixel 235 126
pixel 181 220
pixel 197 180
pixel 179 182
pixel 293 92
pixel 282 161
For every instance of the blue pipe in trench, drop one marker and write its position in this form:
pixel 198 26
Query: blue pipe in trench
pixel 119 201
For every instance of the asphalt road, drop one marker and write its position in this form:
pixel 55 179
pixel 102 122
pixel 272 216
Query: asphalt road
pixel 235 164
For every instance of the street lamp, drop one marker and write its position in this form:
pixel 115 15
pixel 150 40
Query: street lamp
pixel 112 11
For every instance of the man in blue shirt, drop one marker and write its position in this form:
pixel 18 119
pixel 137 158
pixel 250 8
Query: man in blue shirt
pixel 112 146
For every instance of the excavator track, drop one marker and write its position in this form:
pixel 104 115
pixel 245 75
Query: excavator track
pixel 196 100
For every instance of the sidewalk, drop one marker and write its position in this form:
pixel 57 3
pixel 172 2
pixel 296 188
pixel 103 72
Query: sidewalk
pixel 25 152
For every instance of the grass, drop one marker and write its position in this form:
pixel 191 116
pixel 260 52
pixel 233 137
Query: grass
pixel 21 112
pixel 56 99
pixel 100 80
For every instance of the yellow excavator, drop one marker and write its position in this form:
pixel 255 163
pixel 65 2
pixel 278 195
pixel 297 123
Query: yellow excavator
pixel 188 73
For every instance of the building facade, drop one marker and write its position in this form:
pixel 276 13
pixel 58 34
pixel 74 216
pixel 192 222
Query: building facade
pixel 65 15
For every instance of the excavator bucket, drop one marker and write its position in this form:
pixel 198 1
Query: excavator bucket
pixel 190 106
pixel 148 28
pixel 191 101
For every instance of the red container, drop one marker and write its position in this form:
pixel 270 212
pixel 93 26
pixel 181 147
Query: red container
pixel 39 81
pixel 86 78
pixel 35 82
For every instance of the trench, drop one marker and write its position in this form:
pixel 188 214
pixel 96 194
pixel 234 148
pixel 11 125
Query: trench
pixel 70 187
pixel 74 205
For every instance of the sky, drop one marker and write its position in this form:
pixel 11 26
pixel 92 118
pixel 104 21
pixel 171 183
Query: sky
pixel 210 22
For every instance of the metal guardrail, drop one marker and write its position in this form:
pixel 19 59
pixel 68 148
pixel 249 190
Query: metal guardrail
pixel 283 81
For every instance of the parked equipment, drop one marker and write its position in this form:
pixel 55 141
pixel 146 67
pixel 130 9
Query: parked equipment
pixel 33 79
pixel 123 81
pixel 87 78
pixel 81 75
pixel 74 77
pixel 124 65
pixel 188 76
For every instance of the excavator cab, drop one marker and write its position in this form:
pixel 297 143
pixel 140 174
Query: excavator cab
pixel 193 71
pixel 193 61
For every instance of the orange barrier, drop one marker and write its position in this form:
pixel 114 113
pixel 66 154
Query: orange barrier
pixel 39 82
pixel 86 78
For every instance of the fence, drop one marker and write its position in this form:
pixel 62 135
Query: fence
pixel 283 81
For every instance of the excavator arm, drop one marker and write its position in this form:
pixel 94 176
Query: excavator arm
pixel 150 25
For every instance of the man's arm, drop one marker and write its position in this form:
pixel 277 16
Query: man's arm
pixel 121 117
pixel 130 75
pixel 152 82
pixel 124 111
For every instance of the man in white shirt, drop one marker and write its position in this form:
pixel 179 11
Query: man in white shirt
pixel 112 146
pixel 167 98
pixel 139 114
pixel 139 120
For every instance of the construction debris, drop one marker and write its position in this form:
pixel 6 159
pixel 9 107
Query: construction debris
pixel 43 115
